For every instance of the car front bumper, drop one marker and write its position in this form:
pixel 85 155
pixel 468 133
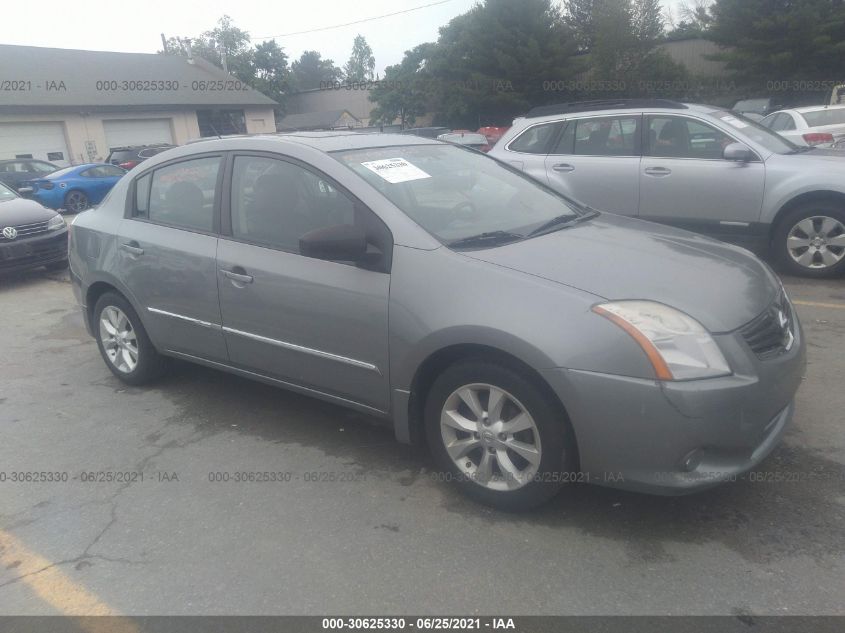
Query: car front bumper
pixel 32 252
pixel 679 437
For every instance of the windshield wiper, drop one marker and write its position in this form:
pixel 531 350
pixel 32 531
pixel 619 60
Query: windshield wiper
pixel 486 239
pixel 561 222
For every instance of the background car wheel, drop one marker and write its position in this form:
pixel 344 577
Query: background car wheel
pixel 76 201
pixel 62 265
pixel 124 343
pixel 810 241
pixel 498 436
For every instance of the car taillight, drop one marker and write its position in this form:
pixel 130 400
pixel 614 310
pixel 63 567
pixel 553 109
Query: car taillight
pixel 45 184
pixel 129 164
pixel 817 138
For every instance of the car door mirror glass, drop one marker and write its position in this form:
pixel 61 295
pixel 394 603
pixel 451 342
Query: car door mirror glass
pixel 340 242
pixel 739 153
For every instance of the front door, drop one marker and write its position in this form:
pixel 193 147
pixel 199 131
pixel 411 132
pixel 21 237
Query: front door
pixel 167 248
pixel 686 181
pixel 317 324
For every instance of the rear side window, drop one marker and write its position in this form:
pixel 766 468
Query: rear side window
pixel 536 139
pixel 825 117
pixel 180 195
pixel 612 136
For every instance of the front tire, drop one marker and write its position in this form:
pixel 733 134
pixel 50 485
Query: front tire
pixel 810 241
pixel 498 436
pixel 123 342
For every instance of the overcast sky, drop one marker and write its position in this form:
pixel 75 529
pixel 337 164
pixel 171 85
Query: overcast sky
pixel 136 26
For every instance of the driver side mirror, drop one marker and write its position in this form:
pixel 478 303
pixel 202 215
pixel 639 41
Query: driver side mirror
pixel 341 242
pixel 739 153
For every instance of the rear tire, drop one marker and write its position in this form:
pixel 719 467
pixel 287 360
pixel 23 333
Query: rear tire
pixel 123 342
pixel 76 202
pixel 490 410
pixel 810 240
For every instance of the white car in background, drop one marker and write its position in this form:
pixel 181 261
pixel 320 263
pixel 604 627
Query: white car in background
pixel 816 126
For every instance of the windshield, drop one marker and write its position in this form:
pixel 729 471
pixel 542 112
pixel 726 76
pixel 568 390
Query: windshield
pixel 6 193
pixel 455 193
pixel 754 131
pixel 820 118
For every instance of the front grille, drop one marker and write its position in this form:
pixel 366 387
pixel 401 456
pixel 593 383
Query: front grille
pixel 26 230
pixel 773 332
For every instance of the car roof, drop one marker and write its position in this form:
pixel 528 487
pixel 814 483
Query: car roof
pixel 630 105
pixel 330 141
pixel 817 108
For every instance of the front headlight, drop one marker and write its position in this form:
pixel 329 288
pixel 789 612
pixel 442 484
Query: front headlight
pixel 677 345
pixel 55 223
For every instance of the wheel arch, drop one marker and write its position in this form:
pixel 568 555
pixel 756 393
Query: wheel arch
pixel 97 289
pixel 437 361
pixel 821 195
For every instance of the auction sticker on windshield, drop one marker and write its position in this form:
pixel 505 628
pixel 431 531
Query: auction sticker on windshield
pixel 396 170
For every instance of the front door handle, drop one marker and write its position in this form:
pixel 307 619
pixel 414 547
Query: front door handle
pixel 238 277
pixel 658 171
pixel 563 167
pixel 132 247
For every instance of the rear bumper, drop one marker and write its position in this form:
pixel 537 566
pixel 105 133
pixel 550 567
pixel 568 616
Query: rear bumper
pixel 27 253
pixel 680 437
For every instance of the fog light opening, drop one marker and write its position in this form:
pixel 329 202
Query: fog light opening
pixel 691 460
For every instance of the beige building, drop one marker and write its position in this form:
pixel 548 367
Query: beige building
pixel 73 106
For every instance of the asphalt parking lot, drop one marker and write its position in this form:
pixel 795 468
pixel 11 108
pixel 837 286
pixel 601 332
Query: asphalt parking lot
pixel 361 526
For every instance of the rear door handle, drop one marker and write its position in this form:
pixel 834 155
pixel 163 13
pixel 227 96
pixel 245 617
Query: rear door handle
pixel 132 247
pixel 241 278
pixel 563 167
pixel 658 171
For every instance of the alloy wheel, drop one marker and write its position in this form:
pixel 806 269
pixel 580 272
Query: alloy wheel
pixel 119 340
pixel 76 201
pixel 491 437
pixel 817 242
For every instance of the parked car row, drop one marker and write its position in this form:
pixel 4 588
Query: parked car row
pixel 695 167
pixel 73 189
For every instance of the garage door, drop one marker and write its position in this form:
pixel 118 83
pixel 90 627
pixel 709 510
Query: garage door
pixel 44 141
pixel 123 132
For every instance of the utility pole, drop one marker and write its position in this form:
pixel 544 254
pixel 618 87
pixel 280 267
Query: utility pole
pixel 164 44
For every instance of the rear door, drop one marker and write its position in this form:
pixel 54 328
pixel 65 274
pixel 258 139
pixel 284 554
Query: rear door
pixel 528 151
pixel 686 181
pixel 596 160
pixel 317 324
pixel 167 255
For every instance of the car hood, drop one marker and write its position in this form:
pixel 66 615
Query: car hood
pixel 22 211
pixel 825 158
pixel 614 257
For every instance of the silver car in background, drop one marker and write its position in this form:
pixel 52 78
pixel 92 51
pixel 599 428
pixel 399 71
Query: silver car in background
pixel 529 341
pixel 695 167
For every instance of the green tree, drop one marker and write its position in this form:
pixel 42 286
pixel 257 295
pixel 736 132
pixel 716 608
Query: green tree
pixel 781 39
pixel 272 74
pixel 312 71
pixel 361 63
pixel 403 93
pixel 499 59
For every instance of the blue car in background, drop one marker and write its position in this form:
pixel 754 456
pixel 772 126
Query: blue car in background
pixel 73 189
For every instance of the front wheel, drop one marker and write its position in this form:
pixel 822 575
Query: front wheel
pixel 810 241
pixel 123 341
pixel 498 436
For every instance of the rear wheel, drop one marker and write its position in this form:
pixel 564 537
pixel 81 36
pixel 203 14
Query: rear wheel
pixel 76 201
pixel 810 241
pixel 497 435
pixel 123 341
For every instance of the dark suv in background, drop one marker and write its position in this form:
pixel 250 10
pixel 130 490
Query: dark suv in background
pixel 128 157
